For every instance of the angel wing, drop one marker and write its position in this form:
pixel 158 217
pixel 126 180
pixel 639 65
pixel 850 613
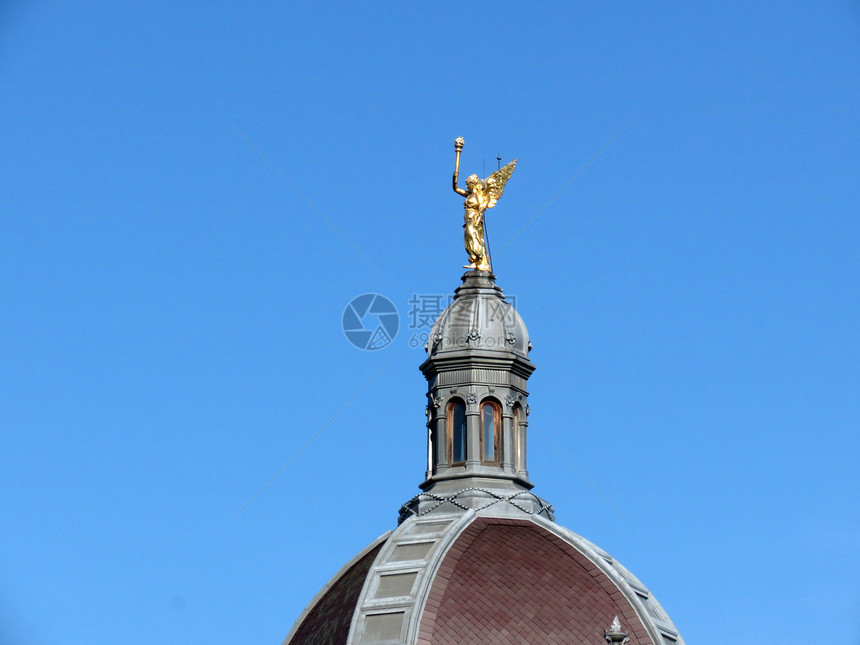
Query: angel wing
pixel 496 182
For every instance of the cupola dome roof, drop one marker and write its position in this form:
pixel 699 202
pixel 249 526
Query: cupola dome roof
pixel 479 318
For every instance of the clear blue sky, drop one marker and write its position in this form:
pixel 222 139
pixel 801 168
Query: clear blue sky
pixel 171 304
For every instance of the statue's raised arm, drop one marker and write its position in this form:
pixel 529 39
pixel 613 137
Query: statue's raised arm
pixel 480 195
pixel 458 148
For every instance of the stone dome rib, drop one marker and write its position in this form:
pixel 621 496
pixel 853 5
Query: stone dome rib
pixel 326 620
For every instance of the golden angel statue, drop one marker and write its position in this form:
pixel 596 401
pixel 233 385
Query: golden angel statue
pixel 480 195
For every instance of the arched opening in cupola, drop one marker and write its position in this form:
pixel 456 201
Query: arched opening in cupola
pixel 491 422
pixel 457 432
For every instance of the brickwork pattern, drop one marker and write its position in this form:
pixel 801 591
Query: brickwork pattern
pixel 511 582
pixel 328 622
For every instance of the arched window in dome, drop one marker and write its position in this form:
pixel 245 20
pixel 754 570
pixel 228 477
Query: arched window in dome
pixel 519 440
pixel 491 421
pixel 457 432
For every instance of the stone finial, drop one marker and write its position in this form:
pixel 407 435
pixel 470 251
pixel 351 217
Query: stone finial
pixel 614 634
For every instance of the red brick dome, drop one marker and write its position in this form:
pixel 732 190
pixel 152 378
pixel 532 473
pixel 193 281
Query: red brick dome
pixel 474 579
pixel 510 581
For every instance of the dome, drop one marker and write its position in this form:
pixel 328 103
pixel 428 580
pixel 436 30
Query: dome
pixel 479 318
pixel 477 557
pixel 494 576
